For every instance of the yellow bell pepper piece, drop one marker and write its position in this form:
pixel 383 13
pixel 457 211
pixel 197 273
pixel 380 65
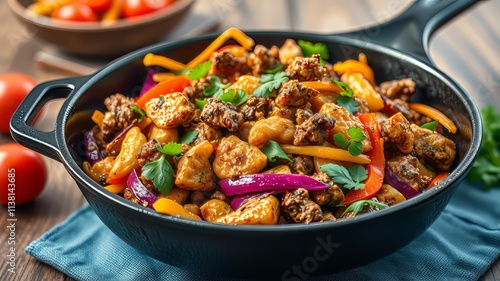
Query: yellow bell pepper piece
pixel 170 207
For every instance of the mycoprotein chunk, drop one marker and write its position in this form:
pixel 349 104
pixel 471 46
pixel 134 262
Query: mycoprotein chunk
pixel 314 131
pixel 170 111
pixel 433 149
pixel 118 116
pixel 256 210
pixel 219 114
pixel 293 94
pixel 397 131
pixel 194 171
pixel 235 157
pixel 300 208
pixel 343 121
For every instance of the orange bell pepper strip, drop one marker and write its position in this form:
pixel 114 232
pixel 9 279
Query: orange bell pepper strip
pixel 116 188
pixel 376 168
pixel 176 84
pixel 170 207
pixel 434 114
pixel 355 66
pixel 437 179
pixel 167 63
pixel 362 89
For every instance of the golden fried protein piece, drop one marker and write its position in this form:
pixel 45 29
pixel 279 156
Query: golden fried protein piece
pixel 235 157
pixel 433 149
pixel 343 121
pixel 293 94
pixel 274 128
pixel 300 208
pixel 397 131
pixel 194 171
pixel 214 209
pixel 256 210
pixel 170 111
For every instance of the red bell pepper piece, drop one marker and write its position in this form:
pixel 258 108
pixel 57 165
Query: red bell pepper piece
pixel 377 165
pixel 439 177
pixel 176 84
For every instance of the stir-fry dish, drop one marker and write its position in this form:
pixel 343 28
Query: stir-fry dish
pixel 253 134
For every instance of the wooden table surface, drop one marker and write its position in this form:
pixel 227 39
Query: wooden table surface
pixel 467 48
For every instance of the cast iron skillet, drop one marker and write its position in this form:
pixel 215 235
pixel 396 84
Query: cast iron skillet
pixel 282 251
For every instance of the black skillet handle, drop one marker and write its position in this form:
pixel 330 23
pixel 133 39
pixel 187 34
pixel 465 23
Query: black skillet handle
pixel 410 32
pixel 39 141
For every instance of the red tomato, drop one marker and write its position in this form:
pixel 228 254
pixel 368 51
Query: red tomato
pixel 75 11
pixel 132 8
pixel 98 6
pixel 13 89
pixel 22 174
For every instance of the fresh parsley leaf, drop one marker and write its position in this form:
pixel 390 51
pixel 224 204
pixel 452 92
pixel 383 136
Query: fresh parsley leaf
pixel 275 70
pixel 270 82
pixel 349 178
pixel 347 90
pixel 235 99
pixel 172 148
pixel 358 206
pixel 430 125
pixel 346 98
pixel 200 104
pixel 189 137
pixel 162 174
pixel 200 70
pixel 353 144
pixel 215 88
pixel 141 112
pixel 348 103
pixel 309 49
pixel 487 166
pixel 273 151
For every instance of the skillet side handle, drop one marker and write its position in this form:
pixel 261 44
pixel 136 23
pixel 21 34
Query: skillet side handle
pixel 410 32
pixel 39 141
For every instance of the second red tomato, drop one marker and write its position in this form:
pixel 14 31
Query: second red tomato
pixel 132 8
pixel 76 11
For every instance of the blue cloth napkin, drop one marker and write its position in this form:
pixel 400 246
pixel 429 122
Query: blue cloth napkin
pixel 461 245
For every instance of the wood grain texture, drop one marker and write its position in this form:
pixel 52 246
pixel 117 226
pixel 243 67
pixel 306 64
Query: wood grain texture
pixel 473 37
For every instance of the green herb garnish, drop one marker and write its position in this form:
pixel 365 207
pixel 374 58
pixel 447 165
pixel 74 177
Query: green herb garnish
pixel 270 82
pixel 139 111
pixel 189 137
pixel 200 70
pixel 275 70
pixel 235 99
pixel 160 171
pixel 430 125
pixel 358 206
pixel 487 166
pixel 200 104
pixel 309 49
pixel 273 151
pixel 215 88
pixel 349 178
pixel 346 98
pixel 353 144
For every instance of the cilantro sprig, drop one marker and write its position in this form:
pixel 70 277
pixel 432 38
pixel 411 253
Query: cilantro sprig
pixel 349 178
pixel 487 166
pixel 273 151
pixel 358 206
pixel 346 98
pixel 200 70
pixel 189 137
pixel 141 112
pixel 270 82
pixel 309 49
pixel 233 98
pixel 353 144
pixel 216 87
pixel 160 171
